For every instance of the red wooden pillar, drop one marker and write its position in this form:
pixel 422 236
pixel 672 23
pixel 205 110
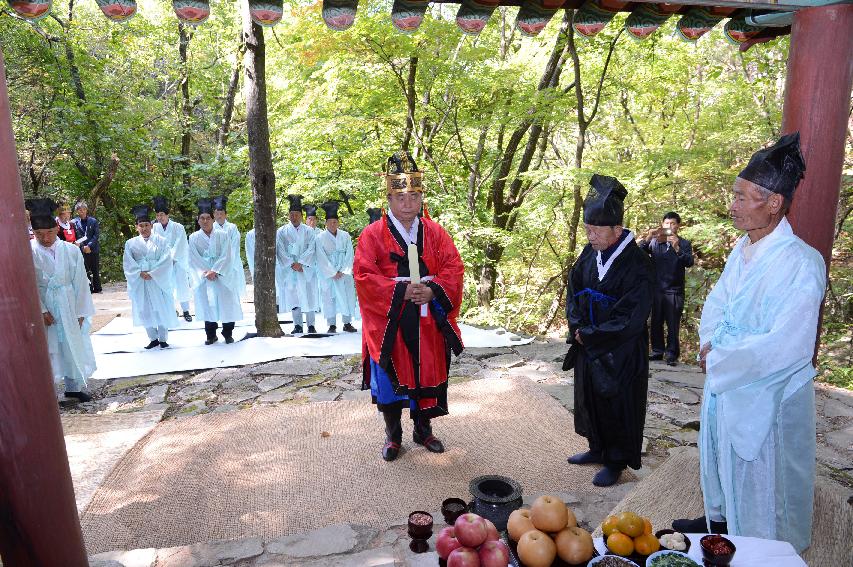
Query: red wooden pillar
pixel 817 103
pixel 38 515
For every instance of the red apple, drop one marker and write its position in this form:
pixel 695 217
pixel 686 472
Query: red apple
pixel 463 557
pixel 470 530
pixel 493 554
pixel 446 542
pixel 491 531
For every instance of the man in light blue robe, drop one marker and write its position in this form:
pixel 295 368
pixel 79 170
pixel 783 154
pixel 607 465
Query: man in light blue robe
pixel 214 281
pixel 66 301
pixel 334 271
pixel 757 438
pixel 148 268
pixel 295 258
pixel 176 235
pixel 220 216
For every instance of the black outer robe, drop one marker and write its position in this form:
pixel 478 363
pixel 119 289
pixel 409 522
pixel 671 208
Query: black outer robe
pixel 612 364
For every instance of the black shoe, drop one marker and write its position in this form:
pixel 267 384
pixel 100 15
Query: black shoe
pixel 229 340
pixel 297 330
pixel 608 476
pixel 699 526
pixel 164 344
pixel 349 328
pixel 332 329
pixel 432 444
pixel 187 317
pixel 671 362
pixel 655 357
pixel 82 396
pixel 211 340
pixel 152 344
pixel 390 451
pixel 589 457
pixel 311 329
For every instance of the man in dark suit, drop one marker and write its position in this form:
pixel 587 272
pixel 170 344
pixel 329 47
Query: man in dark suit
pixel 671 255
pixel 87 226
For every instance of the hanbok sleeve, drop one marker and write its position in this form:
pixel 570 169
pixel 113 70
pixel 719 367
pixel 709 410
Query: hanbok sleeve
pixel 180 250
pixel 324 265
pixel 309 254
pixel 131 267
pixel 161 268
pixel 225 259
pixel 446 284
pixel 346 267
pixel 380 297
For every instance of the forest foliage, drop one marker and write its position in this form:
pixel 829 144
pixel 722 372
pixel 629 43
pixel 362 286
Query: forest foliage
pixel 508 130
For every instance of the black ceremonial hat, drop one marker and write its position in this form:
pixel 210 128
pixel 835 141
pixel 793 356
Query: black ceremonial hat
pixel 310 210
pixel 778 168
pixel 295 203
pixel 331 209
pixel 41 213
pixel 374 215
pixel 142 213
pixel 161 204
pixel 603 205
pixel 205 206
pixel 219 202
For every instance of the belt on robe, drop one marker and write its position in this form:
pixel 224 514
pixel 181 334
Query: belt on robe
pixel 595 296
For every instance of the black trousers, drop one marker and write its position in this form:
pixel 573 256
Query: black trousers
pixel 211 326
pixel 666 309
pixel 92 262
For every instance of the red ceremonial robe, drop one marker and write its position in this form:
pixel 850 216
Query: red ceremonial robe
pixel 413 350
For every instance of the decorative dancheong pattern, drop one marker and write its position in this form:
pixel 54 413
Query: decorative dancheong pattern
pixel 339 14
pixel 646 19
pixel 473 15
pixel 407 15
pixel 266 12
pixel 737 31
pixel 31 10
pixel 696 23
pixel 192 11
pixel 534 15
pixel 118 10
pixel 591 18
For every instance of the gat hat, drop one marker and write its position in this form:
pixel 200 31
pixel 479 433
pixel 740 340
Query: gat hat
pixel 295 203
pixel 219 202
pixel 331 209
pixel 402 174
pixel 374 215
pixel 205 206
pixel 603 205
pixel 142 213
pixel 41 213
pixel 310 210
pixel 161 204
pixel 778 168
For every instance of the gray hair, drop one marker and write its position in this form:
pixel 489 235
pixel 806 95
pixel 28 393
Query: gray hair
pixel 81 204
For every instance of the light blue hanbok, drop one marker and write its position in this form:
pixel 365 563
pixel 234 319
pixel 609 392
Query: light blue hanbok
pixel 217 299
pixel 234 240
pixel 757 438
pixel 297 290
pixel 335 254
pixel 151 300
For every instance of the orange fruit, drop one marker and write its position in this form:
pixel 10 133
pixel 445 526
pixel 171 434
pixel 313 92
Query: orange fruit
pixel 620 544
pixel 647 526
pixel 646 544
pixel 630 524
pixel 610 525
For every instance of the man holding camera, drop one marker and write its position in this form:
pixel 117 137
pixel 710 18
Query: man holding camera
pixel 671 255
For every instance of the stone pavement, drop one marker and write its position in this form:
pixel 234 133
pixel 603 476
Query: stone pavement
pixel 672 422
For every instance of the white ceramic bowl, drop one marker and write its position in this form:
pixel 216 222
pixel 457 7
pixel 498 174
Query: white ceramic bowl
pixel 669 552
pixel 596 560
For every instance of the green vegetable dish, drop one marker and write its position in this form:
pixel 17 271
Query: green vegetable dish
pixel 673 560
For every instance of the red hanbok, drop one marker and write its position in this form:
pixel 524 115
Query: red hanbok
pixel 410 345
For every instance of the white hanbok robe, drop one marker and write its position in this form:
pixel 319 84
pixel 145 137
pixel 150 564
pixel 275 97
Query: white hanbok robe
pixel 218 299
pixel 176 235
pixel 234 239
pixel 757 440
pixel 151 300
pixel 295 289
pixel 250 252
pixel 63 290
pixel 335 254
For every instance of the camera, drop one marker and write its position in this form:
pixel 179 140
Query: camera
pixel 667 231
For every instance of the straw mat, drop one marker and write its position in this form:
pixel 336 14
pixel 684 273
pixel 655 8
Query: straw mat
pixel 290 469
pixel 672 491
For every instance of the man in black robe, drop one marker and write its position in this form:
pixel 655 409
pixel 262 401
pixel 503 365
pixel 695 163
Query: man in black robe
pixel 609 299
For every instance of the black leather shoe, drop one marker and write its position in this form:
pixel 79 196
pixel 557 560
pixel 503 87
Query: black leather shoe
pixel 297 330
pixel 311 329
pixel 152 344
pixel 229 340
pixel 210 341
pixel 82 396
pixel 671 362
pixel 349 328
pixel 608 476
pixel 431 442
pixel 655 357
pixel 187 317
pixel 589 457
pixel 164 345
pixel 390 451
pixel 699 526
pixel 332 329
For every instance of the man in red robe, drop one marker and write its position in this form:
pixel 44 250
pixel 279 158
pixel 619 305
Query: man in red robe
pixel 408 329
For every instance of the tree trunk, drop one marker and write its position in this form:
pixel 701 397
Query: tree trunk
pixel 230 95
pixel 410 102
pixel 261 176
pixel 186 107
